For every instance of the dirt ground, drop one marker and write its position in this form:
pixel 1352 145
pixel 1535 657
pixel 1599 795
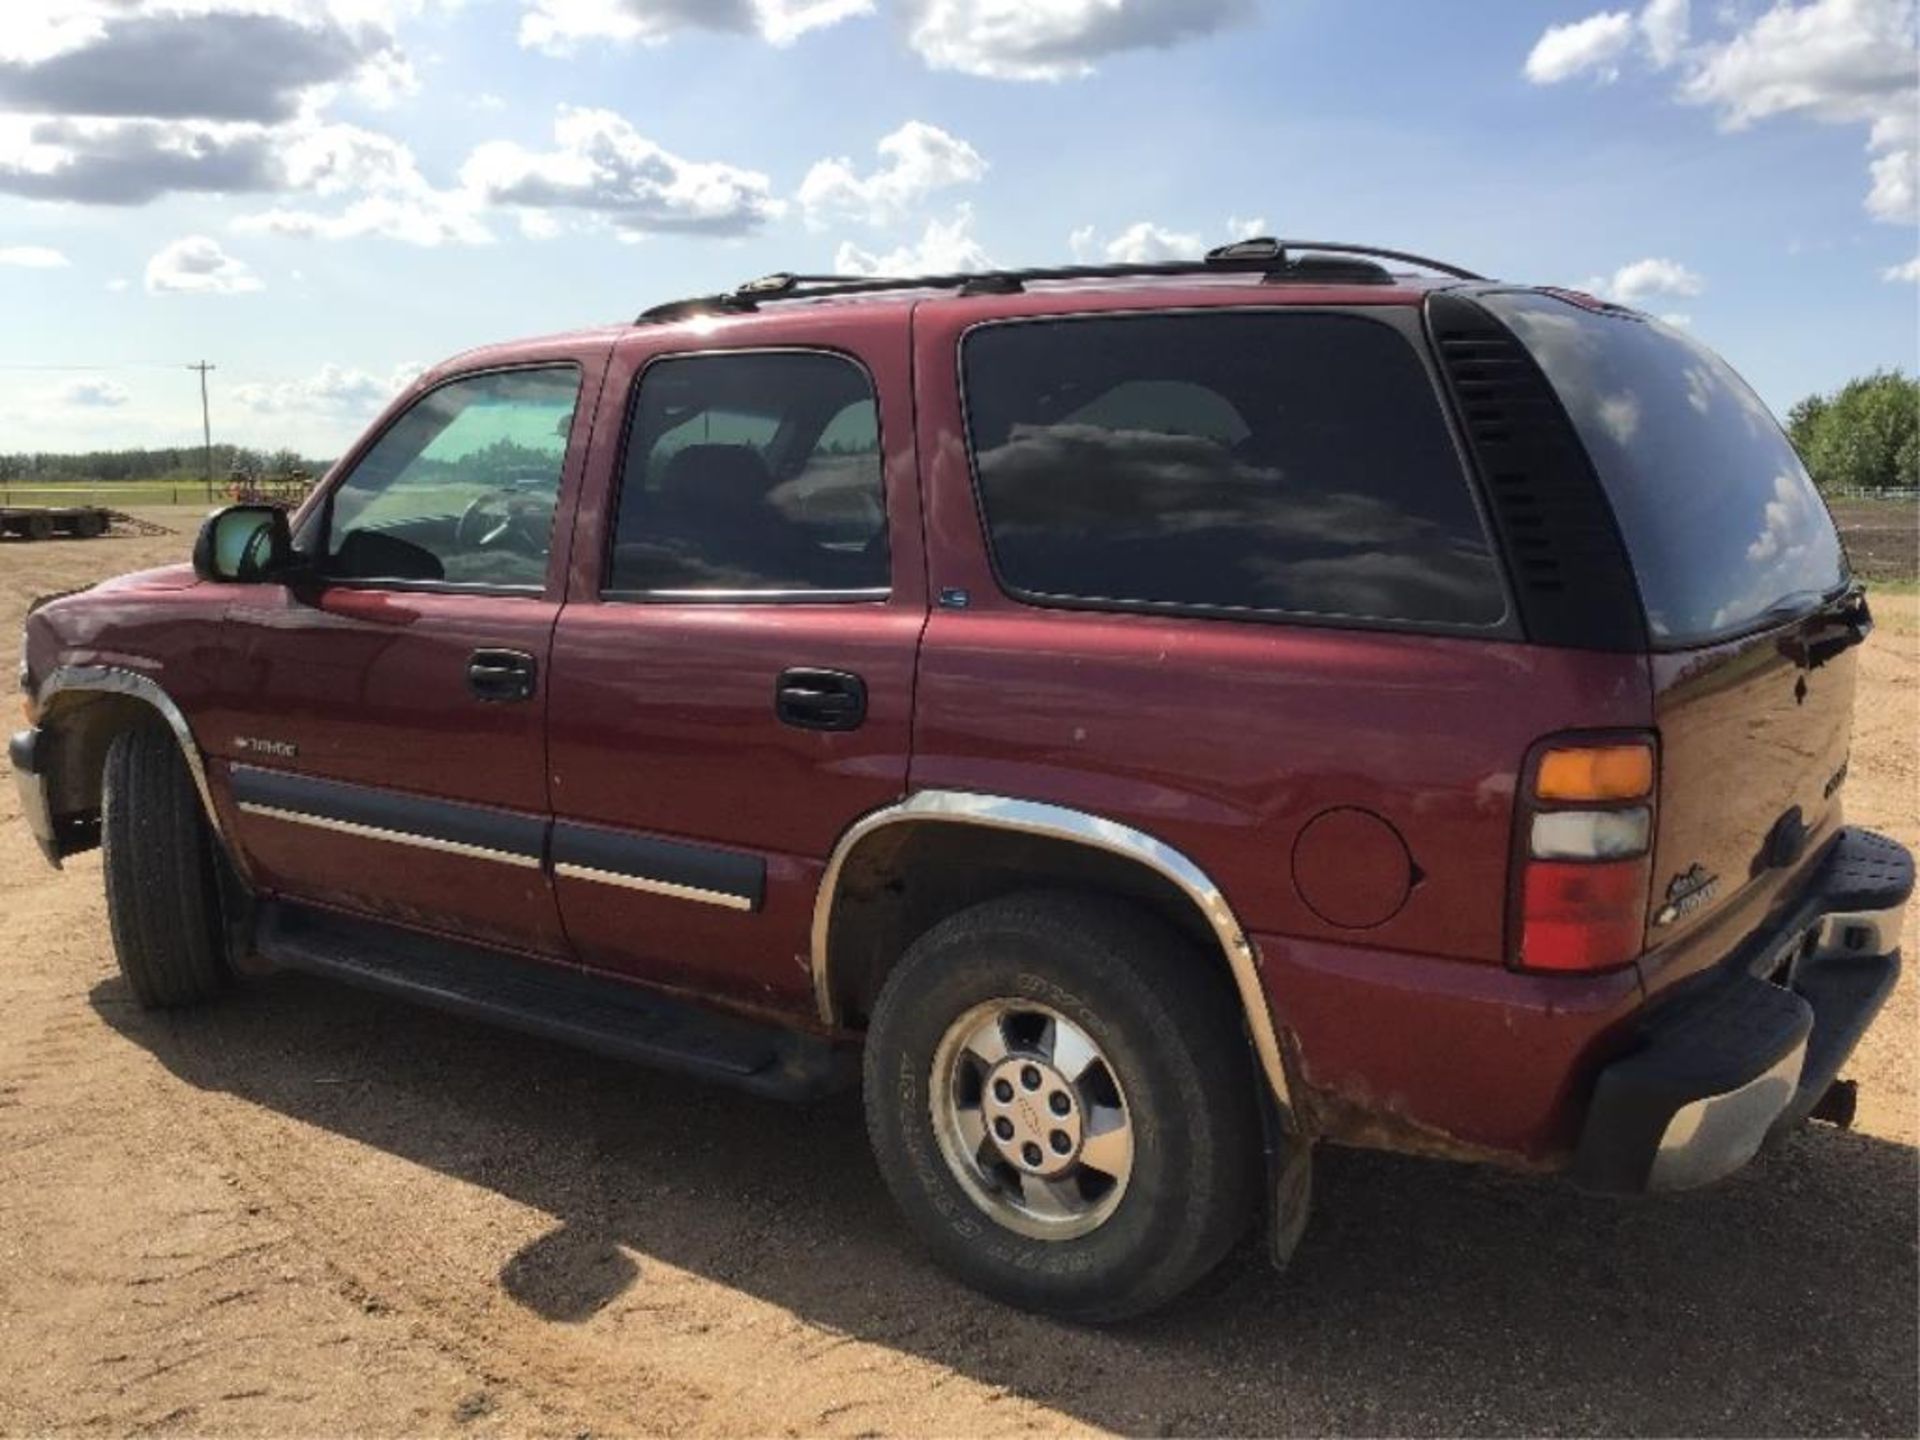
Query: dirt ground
pixel 312 1211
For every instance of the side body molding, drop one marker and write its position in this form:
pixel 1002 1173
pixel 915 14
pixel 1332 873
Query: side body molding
pixel 112 680
pixel 995 812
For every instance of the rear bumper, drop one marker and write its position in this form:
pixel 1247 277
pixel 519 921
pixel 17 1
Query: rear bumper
pixel 1748 1053
pixel 26 753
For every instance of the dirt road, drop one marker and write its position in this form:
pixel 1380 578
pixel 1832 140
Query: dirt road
pixel 311 1211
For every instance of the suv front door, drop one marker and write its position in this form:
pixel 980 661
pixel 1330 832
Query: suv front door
pixel 384 721
pixel 733 672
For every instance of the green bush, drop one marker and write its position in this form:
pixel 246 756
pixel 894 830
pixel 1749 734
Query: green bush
pixel 1865 436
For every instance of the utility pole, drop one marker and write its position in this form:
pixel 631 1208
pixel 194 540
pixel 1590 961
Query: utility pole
pixel 206 423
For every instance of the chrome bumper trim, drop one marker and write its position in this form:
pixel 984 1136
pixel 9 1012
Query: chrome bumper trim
pixel 1717 1134
pixel 38 814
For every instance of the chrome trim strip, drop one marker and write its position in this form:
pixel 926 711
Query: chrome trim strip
pixel 397 837
pixel 112 680
pixel 654 887
pixel 1058 822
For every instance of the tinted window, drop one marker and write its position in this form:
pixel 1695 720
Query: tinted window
pixel 755 472
pixel 1270 462
pixel 1720 517
pixel 461 488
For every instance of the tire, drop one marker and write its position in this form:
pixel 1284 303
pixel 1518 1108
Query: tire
pixel 163 897
pixel 91 525
pixel 1168 1034
pixel 39 527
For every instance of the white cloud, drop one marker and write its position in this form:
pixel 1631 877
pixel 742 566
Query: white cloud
pixel 130 162
pixel 1895 193
pixel 195 264
pixel 1908 271
pixel 334 391
pixel 603 167
pixel 1597 43
pixel 917 159
pixel 1632 284
pixel 393 198
pixel 1144 243
pixel 1835 62
pixel 428 219
pixel 944 248
pixel 1054 39
pixel 1838 62
pixel 233 60
pixel 559 27
pixel 103 394
pixel 1147 243
pixel 1664 25
pixel 32 257
pixel 122 102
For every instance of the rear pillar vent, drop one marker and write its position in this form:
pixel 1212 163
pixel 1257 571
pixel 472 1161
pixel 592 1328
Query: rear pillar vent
pixel 1564 554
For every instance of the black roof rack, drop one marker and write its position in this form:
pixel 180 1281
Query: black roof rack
pixel 1274 259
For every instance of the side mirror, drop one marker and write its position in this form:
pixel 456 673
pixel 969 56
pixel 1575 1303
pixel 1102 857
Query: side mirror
pixel 243 545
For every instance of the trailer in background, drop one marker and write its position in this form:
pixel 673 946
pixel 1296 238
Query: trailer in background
pixel 43 522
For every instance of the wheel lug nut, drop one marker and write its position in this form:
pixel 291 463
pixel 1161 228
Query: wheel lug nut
pixel 1030 1077
pixel 1030 1152
pixel 1002 1091
pixel 1061 1144
pixel 1003 1127
pixel 1059 1103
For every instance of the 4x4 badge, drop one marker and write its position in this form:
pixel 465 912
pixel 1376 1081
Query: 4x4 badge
pixel 1687 892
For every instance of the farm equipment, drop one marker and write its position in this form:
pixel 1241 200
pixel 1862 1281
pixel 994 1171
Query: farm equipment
pixel 43 522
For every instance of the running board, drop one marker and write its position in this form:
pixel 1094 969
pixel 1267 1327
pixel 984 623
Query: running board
pixel 555 1001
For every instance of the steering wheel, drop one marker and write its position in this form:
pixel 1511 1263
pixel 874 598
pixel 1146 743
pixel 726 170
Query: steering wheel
pixel 499 520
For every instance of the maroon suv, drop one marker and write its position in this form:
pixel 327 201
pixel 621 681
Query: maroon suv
pixel 1162 717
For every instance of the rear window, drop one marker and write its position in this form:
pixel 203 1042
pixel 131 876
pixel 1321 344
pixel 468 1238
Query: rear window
pixel 1293 463
pixel 1722 521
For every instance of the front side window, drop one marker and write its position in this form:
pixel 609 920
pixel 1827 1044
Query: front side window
pixel 461 488
pixel 1294 463
pixel 751 473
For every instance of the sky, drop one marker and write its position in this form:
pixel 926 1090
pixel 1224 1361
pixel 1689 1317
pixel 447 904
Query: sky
pixel 320 197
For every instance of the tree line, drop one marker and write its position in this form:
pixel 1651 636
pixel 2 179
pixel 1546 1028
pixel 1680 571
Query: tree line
pixel 1863 436
pixel 164 464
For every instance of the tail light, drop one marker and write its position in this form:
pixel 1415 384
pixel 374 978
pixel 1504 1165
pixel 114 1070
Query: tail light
pixel 1582 853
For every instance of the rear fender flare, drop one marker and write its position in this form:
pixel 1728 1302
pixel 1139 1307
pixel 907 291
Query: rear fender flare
pixel 996 812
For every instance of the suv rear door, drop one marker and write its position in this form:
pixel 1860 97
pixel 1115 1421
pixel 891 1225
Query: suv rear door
pixel 1749 608
pixel 382 720
pixel 733 671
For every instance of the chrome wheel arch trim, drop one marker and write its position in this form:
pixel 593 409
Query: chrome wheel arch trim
pixel 1059 822
pixel 113 680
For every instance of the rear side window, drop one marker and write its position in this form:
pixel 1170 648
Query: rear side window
pixel 1722 521
pixel 1294 463
pixel 751 473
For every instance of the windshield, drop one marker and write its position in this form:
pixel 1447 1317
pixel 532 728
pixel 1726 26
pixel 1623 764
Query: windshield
pixel 1722 520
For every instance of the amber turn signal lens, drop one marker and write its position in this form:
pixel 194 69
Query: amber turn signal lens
pixel 1596 772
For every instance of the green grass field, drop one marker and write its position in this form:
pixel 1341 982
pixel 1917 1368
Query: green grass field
pixel 115 495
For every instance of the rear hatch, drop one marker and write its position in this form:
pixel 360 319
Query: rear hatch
pixel 1750 611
